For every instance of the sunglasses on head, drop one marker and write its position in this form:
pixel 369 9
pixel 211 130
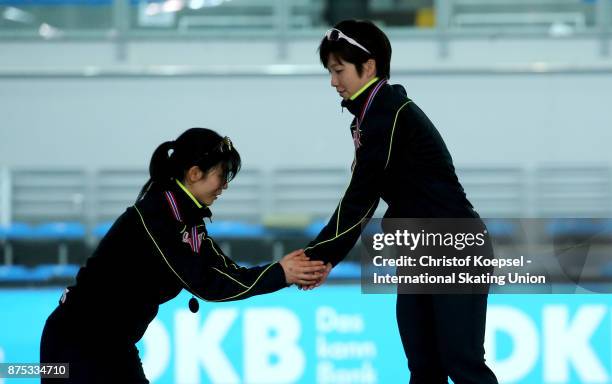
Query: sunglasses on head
pixel 334 34
pixel 225 145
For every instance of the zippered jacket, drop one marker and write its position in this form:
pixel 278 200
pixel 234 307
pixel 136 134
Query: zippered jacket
pixel 155 249
pixel 400 157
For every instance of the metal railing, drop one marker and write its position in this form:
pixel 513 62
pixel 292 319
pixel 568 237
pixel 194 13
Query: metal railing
pixel 122 21
pixel 41 195
pixel 286 206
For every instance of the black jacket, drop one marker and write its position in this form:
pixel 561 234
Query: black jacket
pixel 155 249
pixel 401 158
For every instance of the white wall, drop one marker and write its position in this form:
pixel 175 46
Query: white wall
pixel 488 118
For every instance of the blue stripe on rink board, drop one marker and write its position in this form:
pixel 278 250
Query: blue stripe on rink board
pixel 51 230
pixel 101 229
pixel 60 230
pixel 39 274
pixel 19 230
pixel 53 271
pixel 14 273
pixel 346 270
pixel 317 334
pixel 235 229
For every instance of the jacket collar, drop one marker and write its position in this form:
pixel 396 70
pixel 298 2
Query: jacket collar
pixel 357 101
pixel 186 207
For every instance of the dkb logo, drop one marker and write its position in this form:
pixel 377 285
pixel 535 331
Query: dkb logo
pixel 270 347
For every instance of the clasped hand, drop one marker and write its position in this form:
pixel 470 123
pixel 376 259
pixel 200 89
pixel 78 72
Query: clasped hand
pixel 299 269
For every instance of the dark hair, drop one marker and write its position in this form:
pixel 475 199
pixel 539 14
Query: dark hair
pixel 199 147
pixel 366 34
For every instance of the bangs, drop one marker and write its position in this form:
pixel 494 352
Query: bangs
pixel 341 50
pixel 230 164
pixel 229 161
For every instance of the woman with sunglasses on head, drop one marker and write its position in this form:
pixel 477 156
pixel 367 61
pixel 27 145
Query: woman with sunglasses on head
pixel 401 158
pixel 153 251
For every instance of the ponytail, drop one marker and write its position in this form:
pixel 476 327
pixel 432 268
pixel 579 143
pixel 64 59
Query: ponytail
pixel 160 167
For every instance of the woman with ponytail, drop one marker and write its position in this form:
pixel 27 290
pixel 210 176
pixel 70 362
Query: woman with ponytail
pixel 154 250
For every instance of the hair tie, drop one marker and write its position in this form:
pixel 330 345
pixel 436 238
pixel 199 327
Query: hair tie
pixel 171 149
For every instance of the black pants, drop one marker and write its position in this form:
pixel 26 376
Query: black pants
pixel 443 336
pixel 92 355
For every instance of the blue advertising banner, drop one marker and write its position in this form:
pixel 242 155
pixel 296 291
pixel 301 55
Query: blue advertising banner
pixel 334 334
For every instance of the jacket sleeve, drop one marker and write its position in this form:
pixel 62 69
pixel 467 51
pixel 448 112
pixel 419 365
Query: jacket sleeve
pixel 360 199
pixel 209 274
pixel 225 280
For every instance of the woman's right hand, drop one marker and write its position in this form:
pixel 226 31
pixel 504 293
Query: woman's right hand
pixel 299 269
